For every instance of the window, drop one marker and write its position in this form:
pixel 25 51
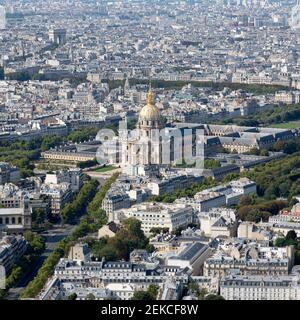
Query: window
pixel 19 220
pixel 6 220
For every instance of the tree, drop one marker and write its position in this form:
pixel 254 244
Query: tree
pixel 119 247
pixel 153 291
pixel 202 293
pixel 264 152
pixel 230 176
pixel 279 145
pixel 254 151
pixel 291 235
pixel 90 296
pixel 141 295
pixel 193 287
pixel 211 164
pixel 72 296
pixel 150 294
pixel 280 242
pixel 157 230
pixel 1 73
pixel 245 200
pixel 214 297
pixel 38 216
pixel 50 142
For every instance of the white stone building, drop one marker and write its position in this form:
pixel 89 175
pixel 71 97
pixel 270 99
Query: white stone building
pixel 159 215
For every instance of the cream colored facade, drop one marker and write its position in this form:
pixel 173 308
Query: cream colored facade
pixel 248 230
pixel 154 215
pixel 67 156
pixel 144 146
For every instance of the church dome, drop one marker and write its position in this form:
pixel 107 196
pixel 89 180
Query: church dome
pixel 149 112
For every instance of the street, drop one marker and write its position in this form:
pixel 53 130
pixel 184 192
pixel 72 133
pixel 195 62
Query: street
pixel 52 237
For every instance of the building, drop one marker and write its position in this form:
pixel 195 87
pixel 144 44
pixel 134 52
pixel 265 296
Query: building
pixel 287 216
pixel 120 278
pixel 250 260
pixel 60 194
pixel 172 183
pixel 218 222
pixel 295 17
pixel 250 231
pixel 260 288
pixel 192 256
pixel 15 220
pixel 280 228
pixel 108 230
pixel 61 155
pixel 226 194
pixel 172 290
pixel 208 199
pixel 2 18
pixel 11 249
pixel 159 215
pixel 73 176
pixel 115 201
pixel 9 173
pixel 79 252
pixel 58 36
pixel 146 147
pixel 287 97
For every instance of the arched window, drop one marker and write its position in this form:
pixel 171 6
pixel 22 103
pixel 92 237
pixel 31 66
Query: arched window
pixel 13 220
pixel 6 220
pixel 1 221
pixel 19 220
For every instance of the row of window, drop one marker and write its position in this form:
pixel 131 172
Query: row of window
pixel 10 221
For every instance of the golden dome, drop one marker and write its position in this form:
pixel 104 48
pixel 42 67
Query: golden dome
pixel 149 112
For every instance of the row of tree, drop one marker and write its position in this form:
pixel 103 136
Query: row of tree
pixel 85 227
pixel 276 114
pixel 23 153
pixel 76 208
pixel 278 178
pixel 261 210
pixel 35 247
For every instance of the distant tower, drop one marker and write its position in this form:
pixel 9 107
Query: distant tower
pixel 58 36
pixel 150 117
pixel 27 212
pixel 2 18
pixel 126 86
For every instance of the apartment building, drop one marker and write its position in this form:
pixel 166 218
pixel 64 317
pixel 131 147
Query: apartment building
pixel 159 215
pixel 260 288
pixel 11 249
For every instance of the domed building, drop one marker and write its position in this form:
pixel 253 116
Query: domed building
pixel 150 117
pixel 145 147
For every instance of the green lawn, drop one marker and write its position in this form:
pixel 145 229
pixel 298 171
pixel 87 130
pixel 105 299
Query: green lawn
pixel 105 169
pixel 287 125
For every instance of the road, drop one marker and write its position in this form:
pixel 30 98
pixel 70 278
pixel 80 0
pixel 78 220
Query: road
pixel 52 237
